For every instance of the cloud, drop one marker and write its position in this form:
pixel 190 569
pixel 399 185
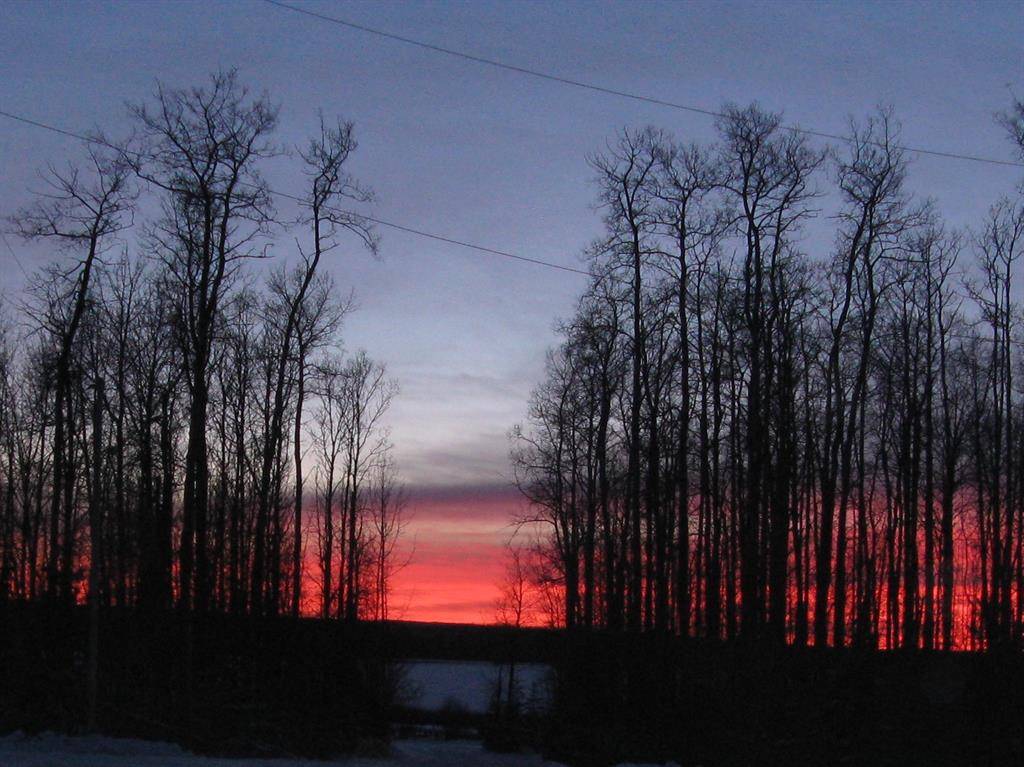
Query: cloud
pixel 451 428
pixel 482 492
pixel 463 459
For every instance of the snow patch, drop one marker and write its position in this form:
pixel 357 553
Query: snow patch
pixel 52 750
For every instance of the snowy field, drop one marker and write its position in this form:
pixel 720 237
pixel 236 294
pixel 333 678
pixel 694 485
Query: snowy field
pixel 49 750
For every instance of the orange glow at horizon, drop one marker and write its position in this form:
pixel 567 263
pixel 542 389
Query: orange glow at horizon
pixel 457 540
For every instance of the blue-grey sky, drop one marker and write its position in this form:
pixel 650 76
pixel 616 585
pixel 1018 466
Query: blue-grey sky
pixel 497 158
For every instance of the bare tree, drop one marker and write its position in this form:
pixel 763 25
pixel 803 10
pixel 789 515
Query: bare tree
pixel 324 160
pixel 388 520
pixel 82 210
pixel 626 179
pixel 767 175
pixel 201 147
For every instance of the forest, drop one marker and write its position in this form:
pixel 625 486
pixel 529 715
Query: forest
pixel 167 382
pixel 736 437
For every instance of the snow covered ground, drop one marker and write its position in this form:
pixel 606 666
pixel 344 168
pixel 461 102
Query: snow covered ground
pixel 431 685
pixel 49 750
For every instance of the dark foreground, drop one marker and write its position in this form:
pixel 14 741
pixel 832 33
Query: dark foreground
pixel 238 686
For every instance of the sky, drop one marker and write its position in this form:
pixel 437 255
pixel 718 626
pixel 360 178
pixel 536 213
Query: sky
pixel 498 159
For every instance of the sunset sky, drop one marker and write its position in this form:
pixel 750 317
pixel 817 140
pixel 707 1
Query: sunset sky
pixel 498 159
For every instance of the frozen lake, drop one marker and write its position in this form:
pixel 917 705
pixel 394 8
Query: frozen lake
pixel 470 684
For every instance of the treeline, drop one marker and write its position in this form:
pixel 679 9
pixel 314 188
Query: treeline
pixel 179 425
pixel 736 437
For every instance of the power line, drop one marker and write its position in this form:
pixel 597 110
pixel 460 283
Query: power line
pixel 441 238
pixel 53 128
pixel 373 219
pixel 481 248
pixel 606 90
pixel 379 221
pixel 14 255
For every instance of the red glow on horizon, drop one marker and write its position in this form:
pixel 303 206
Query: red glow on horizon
pixel 454 547
pixel 457 540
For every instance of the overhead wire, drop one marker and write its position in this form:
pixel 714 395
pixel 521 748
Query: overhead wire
pixel 382 222
pixel 374 219
pixel 606 90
